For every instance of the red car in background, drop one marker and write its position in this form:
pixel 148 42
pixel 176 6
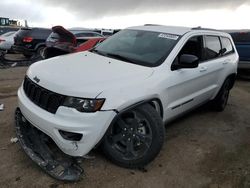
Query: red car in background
pixel 62 41
pixel 89 44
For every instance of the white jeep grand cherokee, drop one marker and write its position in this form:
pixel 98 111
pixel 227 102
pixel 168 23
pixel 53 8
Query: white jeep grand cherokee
pixel 122 92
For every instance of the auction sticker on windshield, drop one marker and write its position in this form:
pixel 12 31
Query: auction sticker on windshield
pixel 168 36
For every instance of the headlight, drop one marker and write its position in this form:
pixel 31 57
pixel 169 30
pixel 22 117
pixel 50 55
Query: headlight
pixel 84 105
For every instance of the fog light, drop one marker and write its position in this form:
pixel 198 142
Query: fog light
pixel 70 136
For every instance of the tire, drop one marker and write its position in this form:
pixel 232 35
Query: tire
pixel 27 56
pixel 40 51
pixel 220 101
pixel 44 53
pixel 135 138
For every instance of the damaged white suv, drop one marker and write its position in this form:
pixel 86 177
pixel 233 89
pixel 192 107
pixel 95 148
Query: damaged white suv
pixel 121 93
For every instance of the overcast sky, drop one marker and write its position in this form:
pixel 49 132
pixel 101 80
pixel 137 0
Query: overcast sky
pixel 219 14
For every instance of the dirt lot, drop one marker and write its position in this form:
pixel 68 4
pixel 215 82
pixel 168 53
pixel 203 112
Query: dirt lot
pixel 203 149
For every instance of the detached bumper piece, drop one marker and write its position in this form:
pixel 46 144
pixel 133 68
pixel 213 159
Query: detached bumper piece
pixel 43 151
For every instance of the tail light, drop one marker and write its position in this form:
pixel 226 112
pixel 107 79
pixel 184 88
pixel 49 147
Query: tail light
pixel 27 39
pixel 2 40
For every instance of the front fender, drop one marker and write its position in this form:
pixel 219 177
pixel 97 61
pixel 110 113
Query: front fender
pixel 123 98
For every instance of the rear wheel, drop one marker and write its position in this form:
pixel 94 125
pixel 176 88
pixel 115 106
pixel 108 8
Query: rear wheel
pixel 135 138
pixel 44 53
pixel 220 101
pixel 27 56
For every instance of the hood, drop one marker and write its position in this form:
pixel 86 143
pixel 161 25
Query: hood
pixel 85 74
pixel 61 38
pixel 64 34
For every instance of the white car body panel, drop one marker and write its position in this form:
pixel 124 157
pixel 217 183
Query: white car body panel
pixel 85 74
pixel 68 120
pixel 122 84
pixel 8 40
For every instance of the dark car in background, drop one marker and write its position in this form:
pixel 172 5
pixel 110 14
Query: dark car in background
pixel 30 41
pixel 242 43
pixel 84 35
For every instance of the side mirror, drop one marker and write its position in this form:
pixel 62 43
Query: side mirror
pixel 188 61
pixel 223 50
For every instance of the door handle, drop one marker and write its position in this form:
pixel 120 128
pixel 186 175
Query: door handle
pixel 203 69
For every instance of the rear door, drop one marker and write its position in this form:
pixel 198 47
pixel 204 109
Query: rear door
pixel 213 64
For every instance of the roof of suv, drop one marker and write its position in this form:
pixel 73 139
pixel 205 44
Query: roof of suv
pixel 173 29
pixel 165 29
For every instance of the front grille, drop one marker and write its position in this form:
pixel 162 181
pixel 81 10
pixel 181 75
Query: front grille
pixel 45 99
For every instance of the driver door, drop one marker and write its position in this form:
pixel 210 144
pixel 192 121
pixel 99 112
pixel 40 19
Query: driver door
pixel 189 87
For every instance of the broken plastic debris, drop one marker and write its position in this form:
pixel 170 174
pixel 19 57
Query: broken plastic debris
pixel 35 145
pixel 1 107
pixel 14 140
pixel 14 64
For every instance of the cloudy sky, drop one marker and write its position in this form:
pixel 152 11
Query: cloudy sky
pixel 219 14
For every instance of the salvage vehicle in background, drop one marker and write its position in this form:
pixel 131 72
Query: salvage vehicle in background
pixel 89 44
pixel 120 94
pixel 30 41
pixel 62 41
pixel 242 43
pixel 7 40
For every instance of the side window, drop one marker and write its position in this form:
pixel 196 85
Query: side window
pixel 194 46
pixel 84 35
pixel 212 47
pixel 96 35
pixel 227 45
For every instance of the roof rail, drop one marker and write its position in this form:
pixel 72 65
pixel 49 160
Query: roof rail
pixel 152 25
pixel 201 28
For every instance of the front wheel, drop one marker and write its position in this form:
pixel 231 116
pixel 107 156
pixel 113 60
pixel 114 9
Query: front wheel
pixel 136 137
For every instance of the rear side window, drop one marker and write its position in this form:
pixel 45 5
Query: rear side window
pixel 226 44
pixel 84 35
pixel 212 47
pixel 23 32
pixel 8 34
pixel 41 33
pixel 54 36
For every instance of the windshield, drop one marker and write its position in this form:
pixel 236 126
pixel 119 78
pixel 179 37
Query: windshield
pixel 145 48
pixel 8 34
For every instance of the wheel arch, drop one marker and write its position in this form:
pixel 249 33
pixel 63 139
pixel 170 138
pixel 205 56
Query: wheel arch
pixel 40 45
pixel 154 102
pixel 232 78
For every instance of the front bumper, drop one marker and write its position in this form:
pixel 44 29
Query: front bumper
pixel 23 50
pixel 38 146
pixel 92 126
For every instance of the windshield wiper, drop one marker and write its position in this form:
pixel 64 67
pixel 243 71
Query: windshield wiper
pixel 116 56
pixel 97 52
pixel 120 57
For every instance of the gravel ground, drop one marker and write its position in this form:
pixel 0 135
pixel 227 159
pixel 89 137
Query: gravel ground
pixel 202 149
